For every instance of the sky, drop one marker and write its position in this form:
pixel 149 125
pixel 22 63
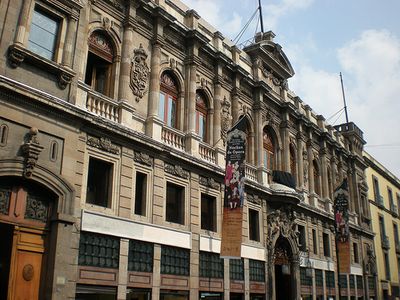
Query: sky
pixel 321 38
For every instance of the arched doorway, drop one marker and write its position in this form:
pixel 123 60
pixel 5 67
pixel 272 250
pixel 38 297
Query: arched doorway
pixel 25 210
pixel 283 270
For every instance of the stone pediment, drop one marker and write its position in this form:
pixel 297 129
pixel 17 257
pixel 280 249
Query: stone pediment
pixel 270 54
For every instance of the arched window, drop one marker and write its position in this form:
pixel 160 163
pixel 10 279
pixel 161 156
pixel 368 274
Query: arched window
pixel 317 183
pixel 201 116
pixel 268 150
pixel 292 153
pixel 100 60
pixel 168 106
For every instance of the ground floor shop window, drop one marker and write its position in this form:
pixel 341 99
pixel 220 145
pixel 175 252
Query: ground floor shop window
pixel 236 296
pixel 87 292
pixel 211 296
pixel 257 297
pixel 306 297
pixel 138 294
pixel 174 295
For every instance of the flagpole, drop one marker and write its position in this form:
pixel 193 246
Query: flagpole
pixel 261 17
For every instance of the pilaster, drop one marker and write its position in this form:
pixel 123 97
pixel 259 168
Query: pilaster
pixel 123 269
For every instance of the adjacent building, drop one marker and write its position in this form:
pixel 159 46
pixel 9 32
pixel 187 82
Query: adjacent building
pixel 113 122
pixel 384 199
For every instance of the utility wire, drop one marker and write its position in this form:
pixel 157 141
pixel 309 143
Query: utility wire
pixel 335 114
pixel 338 118
pixel 240 34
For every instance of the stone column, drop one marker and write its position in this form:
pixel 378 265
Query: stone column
pixel 217 141
pixel 314 288
pixel 126 57
pixel 311 183
pixel 23 23
pixel 155 293
pixel 227 281
pixel 235 106
pixel 296 288
pixel 246 278
pixel 153 123
pixel 300 164
pixel 250 149
pixel 324 174
pixel 69 44
pixel 286 141
pixel 123 269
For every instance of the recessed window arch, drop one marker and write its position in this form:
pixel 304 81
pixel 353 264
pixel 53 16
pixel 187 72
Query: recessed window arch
pixel 268 149
pixel 100 63
pixel 201 115
pixel 292 153
pixel 168 105
pixel 317 180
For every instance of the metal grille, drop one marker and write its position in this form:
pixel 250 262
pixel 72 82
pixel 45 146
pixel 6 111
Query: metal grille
pixel 360 284
pixel 330 279
pixel 319 280
pixel 304 279
pixel 257 270
pixel 211 265
pixel 236 269
pixel 98 250
pixel 37 208
pixel 175 261
pixel 4 200
pixel 140 257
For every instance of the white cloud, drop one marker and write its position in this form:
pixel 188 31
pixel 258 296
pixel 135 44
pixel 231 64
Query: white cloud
pixel 371 69
pixel 273 12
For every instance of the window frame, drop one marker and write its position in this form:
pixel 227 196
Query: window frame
pixel 202 109
pixel 169 94
pixel 184 217
pixel 214 212
pixel 259 218
pixel 269 150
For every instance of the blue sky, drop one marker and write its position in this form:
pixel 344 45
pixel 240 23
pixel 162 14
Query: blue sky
pixel 360 38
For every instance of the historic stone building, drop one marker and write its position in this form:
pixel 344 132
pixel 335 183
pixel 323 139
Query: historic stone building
pixel 113 119
pixel 384 198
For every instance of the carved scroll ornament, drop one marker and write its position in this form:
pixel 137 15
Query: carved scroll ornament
pixel 139 73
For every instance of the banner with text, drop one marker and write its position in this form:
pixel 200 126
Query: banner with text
pixel 341 209
pixel 234 191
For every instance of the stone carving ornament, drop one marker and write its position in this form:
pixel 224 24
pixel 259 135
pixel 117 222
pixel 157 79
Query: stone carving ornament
pixel 103 144
pixel 209 182
pixel 139 73
pixel 176 170
pixel 143 158
pixel 31 150
pixel 225 118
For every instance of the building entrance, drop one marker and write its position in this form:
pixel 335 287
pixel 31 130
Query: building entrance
pixel 283 273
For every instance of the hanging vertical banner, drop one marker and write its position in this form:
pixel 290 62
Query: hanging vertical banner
pixel 234 191
pixel 341 208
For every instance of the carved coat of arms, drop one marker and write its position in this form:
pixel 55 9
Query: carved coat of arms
pixel 139 73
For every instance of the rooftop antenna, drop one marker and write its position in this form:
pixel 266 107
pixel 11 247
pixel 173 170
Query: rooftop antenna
pixel 261 18
pixel 344 98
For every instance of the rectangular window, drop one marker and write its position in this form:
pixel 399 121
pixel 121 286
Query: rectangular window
pixel 257 270
pixel 208 212
pixel 327 244
pixel 377 193
pixel 382 229
pixel 140 256
pixel 175 261
pixel 43 34
pixel 343 281
pixel 211 265
pixel 371 283
pixel 304 278
pixel 352 281
pixel 98 250
pixel 175 203
pixel 360 285
pixel 254 225
pixel 355 253
pixel 99 183
pixel 390 195
pixel 319 280
pixel 387 265
pixel 140 193
pixel 236 269
pixel 315 243
pixel 302 237
pixel 161 107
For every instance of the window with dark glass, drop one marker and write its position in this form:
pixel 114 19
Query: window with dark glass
pixel 330 279
pixel 352 281
pixel 355 253
pixel 302 237
pixel 98 250
pixel 390 195
pixel 236 269
pixel 292 152
pixel 257 270
pixel 327 244
pixel 396 234
pixel 140 256
pixel 175 203
pixel 343 281
pixel 315 243
pixel 319 280
pixel 304 279
pixel 175 261
pixel 360 284
pixel 377 193
pixel 208 212
pixel 140 193
pixel 211 265
pixel 201 116
pixel 99 67
pixel 268 150
pixel 254 225
pixel 382 229
pixel 387 265
pixel 168 105
pixel 99 182
pixel 43 34
pixel 371 282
